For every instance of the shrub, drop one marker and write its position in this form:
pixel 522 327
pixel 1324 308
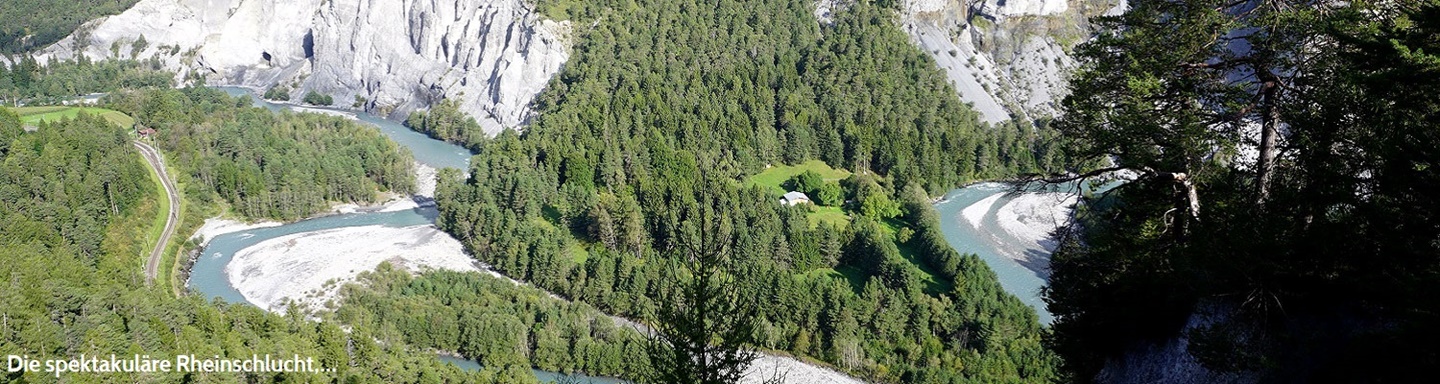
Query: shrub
pixel 278 92
pixel 316 98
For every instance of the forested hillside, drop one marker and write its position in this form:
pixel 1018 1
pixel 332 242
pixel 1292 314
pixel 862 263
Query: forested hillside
pixel 34 24
pixel 668 106
pixel 493 322
pixel 62 185
pixel 445 122
pixel 74 200
pixel 262 164
pixel 1285 202
pixel 34 83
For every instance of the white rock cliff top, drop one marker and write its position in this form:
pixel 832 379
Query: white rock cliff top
pixel 495 55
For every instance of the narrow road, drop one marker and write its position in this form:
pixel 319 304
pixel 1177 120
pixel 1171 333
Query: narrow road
pixel 172 218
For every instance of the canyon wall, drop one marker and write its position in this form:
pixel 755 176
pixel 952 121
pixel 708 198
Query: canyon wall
pixel 383 56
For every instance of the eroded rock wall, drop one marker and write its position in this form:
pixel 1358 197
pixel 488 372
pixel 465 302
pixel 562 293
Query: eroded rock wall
pixel 379 55
pixel 1009 58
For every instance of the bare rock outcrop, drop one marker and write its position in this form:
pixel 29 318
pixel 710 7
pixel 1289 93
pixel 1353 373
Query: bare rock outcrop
pixel 378 55
pixel 1009 58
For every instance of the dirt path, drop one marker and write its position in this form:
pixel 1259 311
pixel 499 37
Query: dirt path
pixel 172 218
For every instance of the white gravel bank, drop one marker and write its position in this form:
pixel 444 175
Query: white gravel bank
pixel 424 191
pixel 425 180
pixel 793 371
pixel 1033 217
pixel 975 212
pixel 218 226
pixel 310 267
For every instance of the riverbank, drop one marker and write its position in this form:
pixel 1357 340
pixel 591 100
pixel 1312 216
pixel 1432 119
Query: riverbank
pixel 793 371
pixel 424 196
pixel 217 226
pixel 1034 217
pixel 309 261
pixel 298 107
pixel 220 225
pixel 1011 232
pixel 309 268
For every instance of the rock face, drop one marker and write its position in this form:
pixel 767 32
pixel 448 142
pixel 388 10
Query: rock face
pixel 1009 58
pixel 1004 8
pixel 383 55
pixel 1169 361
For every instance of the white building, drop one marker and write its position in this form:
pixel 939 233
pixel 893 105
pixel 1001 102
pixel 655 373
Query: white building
pixel 792 198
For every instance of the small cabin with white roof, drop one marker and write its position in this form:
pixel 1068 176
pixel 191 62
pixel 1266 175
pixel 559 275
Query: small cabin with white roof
pixel 792 198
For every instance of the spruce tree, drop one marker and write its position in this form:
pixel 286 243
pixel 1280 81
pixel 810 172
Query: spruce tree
pixel 705 328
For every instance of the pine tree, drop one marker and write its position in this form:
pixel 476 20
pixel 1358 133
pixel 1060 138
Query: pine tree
pixel 1331 220
pixel 705 327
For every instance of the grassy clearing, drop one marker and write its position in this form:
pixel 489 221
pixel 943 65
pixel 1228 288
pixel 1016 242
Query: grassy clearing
pixel 933 283
pixel 543 222
pixel 578 252
pixel 832 215
pixel 774 177
pixel 891 227
pixel 36 115
pixel 849 274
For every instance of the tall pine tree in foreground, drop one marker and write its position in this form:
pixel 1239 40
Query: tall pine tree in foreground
pixel 1286 152
pixel 705 327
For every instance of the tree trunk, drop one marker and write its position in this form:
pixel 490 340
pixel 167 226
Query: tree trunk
pixel 1269 136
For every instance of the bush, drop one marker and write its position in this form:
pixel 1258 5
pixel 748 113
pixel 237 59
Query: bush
pixel 830 195
pixel 278 92
pixel 807 182
pixel 315 98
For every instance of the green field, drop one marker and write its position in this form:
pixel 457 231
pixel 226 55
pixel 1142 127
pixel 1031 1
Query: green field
pixel 774 179
pixel 578 253
pixel 850 275
pixel 833 215
pixel 776 176
pixel 36 115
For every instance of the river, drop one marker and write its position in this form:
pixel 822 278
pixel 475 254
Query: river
pixel 434 153
pixel 208 276
pixel 1021 266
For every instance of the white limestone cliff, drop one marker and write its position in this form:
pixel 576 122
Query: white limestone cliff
pixel 1008 58
pixel 1008 8
pixel 389 56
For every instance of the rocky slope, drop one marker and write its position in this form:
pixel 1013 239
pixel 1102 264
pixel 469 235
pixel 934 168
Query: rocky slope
pixel 383 56
pixel 1009 58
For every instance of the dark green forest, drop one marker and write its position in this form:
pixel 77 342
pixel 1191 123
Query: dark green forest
pixel 1312 259
pixel 445 121
pixel 265 165
pixel 667 106
pixel 1284 153
pixel 492 321
pixel 260 164
pixel 62 184
pixel 30 81
pixel 74 196
pixel 75 200
pixel 33 24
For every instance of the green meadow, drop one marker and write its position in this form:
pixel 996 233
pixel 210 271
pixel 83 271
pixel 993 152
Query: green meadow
pixel 773 178
pixel 36 115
